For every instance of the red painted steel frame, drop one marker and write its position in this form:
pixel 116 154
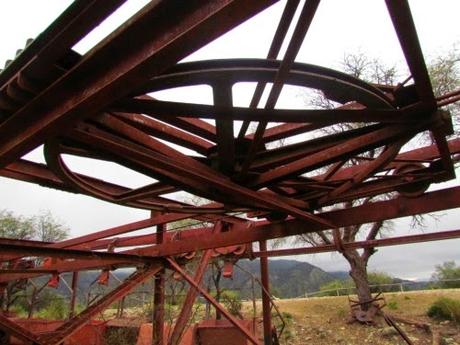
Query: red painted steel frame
pixel 211 299
pixel 87 88
pixel 74 324
pixel 12 328
pixel 266 307
pixel 383 242
pixel 159 298
pixel 190 298
pixel 199 239
pixel 98 106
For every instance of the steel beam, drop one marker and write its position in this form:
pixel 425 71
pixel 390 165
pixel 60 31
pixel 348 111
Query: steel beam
pixel 167 111
pixel 193 240
pixel 382 242
pixel 166 132
pixel 303 24
pixel 74 23
pixel 372 212
pixel 360 144
pixel 88 87
pixel 73 297
pixel 118 230
pixel 197 239
pixel 13 329
pixel 204 182
pixel 266 307
pixel 407 34
pixel 158 322
pixel 222 95
pixel 275 47
pixel 423 154
pixel 67 266
pixel 29 250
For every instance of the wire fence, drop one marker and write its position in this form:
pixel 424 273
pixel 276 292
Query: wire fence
pixel 393 287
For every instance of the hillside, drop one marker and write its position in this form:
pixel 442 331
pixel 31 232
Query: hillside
pixel 288 278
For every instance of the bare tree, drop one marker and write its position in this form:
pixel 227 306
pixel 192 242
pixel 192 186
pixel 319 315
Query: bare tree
pixel 48 229
pixel 446 77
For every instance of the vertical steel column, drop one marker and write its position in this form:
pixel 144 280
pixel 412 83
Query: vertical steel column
pixel 159 298
pixel 73 297
pixel 265 295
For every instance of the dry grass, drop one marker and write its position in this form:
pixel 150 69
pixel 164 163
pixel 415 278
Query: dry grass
pixel 323 320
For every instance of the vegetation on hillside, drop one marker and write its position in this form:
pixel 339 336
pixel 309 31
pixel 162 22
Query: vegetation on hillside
pixel 447 275
pixel 378 282
pixel 445 308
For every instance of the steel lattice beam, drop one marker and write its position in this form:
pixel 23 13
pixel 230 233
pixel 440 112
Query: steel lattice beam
pixel 86 89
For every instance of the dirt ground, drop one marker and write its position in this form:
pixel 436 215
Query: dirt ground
pixel 323 320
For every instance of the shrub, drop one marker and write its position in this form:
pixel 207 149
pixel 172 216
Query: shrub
pixel 121 335
pixel 147 310
pixel 232 302
pixel 445 308
pixel 171 312
pixel 447 275
pixel 341 312
pixel 288 332
pixel 19 311
pixel 56 310
pixel 337 287
pixel 392 305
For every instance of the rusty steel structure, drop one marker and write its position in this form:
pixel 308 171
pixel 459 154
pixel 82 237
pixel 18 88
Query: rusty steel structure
pixel 100 106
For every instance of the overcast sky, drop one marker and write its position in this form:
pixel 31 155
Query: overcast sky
pixel 339 27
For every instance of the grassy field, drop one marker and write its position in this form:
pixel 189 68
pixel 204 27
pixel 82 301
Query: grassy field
pixel 323 320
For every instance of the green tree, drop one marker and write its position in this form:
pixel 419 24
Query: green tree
pixel 43 227
pixel 379 278
pixel 232 301
pixel 17 227
pixel 447 275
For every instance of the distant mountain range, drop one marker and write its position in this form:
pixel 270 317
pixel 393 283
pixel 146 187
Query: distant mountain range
pixel 288 279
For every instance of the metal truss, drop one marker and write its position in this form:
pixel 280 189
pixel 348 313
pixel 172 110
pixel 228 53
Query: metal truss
pixel 100 106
